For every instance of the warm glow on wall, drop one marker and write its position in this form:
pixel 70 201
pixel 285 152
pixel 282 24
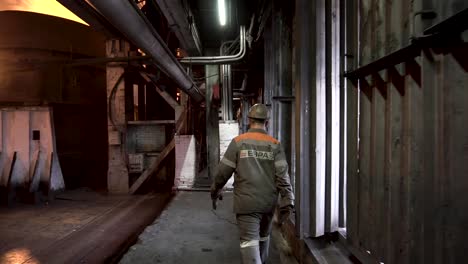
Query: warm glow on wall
pixel 48 7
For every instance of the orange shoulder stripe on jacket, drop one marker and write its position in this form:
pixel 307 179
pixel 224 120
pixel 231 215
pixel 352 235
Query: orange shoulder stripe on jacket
pixel 256 136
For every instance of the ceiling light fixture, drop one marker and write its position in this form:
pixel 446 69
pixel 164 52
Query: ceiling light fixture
pixel 222 12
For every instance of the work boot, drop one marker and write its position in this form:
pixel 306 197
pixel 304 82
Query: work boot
pixel 264 248
pixel 251 255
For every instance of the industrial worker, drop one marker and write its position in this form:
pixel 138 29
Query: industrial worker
pixel 261 177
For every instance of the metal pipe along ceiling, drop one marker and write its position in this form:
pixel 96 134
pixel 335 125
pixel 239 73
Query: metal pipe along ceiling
pixel 221 59
pixel 124 16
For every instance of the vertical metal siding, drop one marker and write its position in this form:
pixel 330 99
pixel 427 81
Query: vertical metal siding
pixel 406 200
pixel 352 211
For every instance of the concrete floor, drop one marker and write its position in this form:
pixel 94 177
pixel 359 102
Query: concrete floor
pixel 78 227
pixel 189 232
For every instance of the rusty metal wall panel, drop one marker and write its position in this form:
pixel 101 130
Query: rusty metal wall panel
pixel 446 159
pixel 412 145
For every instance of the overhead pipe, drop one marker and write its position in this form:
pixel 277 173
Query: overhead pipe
pixel 227 59
pixel 225 72
pixel 124 16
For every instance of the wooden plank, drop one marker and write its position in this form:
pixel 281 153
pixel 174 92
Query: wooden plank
pixel 154 168
pixel 352 201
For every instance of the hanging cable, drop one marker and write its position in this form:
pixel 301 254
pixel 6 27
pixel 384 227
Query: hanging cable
pixel 111 103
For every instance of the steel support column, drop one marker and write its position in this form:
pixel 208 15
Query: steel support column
pixel 310 139
pixel 282 37
pixel 226 100
pixel 212 119
pixel 117 174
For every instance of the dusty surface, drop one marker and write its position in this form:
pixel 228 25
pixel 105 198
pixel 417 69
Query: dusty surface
pixel 189 232
pixel 79 227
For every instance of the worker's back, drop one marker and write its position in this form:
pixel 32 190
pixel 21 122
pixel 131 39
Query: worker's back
pixel 254 180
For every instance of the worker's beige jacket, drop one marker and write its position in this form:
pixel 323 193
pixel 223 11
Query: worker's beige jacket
pixel 261 173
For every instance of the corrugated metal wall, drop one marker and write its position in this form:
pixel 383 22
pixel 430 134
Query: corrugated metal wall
pixel 408 154
pixel 383 153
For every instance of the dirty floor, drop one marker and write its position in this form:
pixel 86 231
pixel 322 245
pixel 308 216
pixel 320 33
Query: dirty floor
pixel 188 231
pixel 78 227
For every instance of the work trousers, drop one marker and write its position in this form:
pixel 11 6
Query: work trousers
pixel 254 232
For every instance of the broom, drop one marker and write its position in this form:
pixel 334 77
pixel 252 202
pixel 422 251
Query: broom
pixel 278 238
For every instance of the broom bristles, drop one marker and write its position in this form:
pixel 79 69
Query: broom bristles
pixel 279 240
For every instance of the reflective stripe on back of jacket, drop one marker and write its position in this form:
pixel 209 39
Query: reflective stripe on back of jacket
pixel 261 172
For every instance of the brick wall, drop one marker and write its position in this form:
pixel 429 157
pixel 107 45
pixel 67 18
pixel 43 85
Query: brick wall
pixel 227 131
pixel 185 152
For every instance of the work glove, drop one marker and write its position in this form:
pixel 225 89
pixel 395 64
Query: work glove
pixel 284 213
pixel 215 195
